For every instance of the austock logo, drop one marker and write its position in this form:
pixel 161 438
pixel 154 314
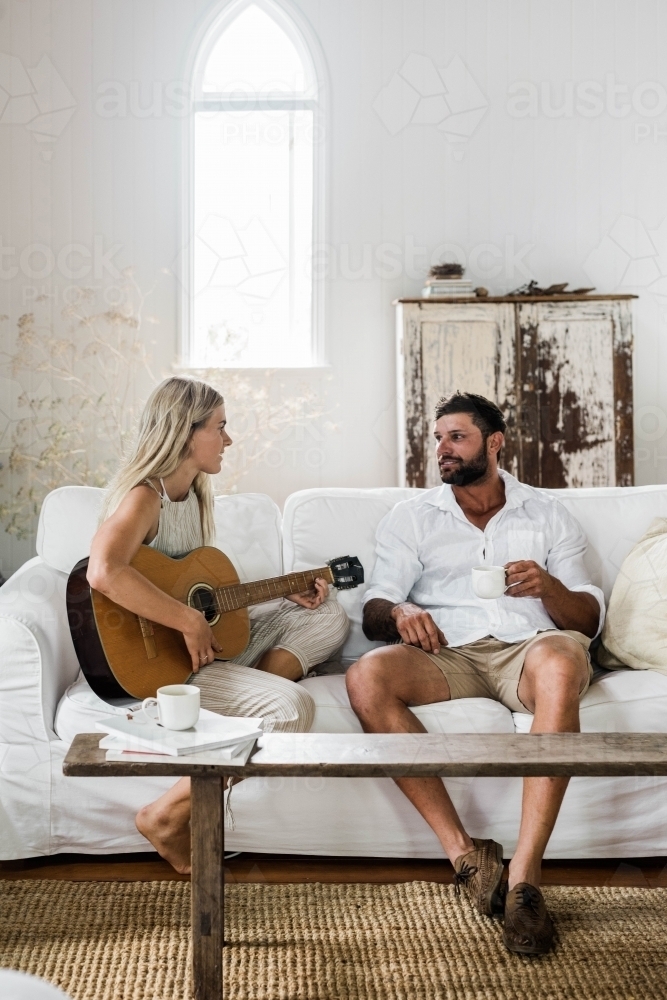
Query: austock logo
pixel 246 260
pixel 421 94
pixel 37 98
pixel 630 256
pixel 586 99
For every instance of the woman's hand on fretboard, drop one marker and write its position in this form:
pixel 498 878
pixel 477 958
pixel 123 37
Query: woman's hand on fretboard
pixel 312 598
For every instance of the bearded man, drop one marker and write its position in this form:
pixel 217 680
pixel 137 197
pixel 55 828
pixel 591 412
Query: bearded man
pixel 527 649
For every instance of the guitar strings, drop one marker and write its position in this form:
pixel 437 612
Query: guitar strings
pixel 225 597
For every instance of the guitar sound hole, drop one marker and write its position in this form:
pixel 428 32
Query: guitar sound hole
pixel 202 600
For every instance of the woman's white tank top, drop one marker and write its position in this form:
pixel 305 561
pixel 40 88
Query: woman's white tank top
pixel 179 528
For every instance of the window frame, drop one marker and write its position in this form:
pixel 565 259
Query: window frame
pixel 290 20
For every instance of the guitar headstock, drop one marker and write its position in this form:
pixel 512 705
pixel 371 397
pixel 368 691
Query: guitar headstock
pixel 347 572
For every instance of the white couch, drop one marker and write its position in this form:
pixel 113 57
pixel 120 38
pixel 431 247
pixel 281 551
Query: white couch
pixel 42 704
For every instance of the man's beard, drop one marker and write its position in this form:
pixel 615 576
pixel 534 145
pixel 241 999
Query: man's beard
pixel 466 473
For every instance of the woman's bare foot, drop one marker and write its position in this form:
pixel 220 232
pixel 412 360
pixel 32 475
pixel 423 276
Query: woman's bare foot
pixel 166 824
pixel 170 838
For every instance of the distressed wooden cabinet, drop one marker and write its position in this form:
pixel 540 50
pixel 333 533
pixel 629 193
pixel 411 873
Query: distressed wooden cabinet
pixel 559 367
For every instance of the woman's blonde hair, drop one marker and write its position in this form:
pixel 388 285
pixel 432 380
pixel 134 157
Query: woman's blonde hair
pixel 175 409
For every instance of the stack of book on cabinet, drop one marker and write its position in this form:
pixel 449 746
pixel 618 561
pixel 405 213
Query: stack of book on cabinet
pixel 452 289
pixel 137 736
pixel 446 281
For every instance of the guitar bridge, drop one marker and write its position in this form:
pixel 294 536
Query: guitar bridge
pixel 148 635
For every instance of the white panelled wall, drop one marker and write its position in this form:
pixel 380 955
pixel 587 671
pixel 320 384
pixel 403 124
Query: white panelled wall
pixel 528 135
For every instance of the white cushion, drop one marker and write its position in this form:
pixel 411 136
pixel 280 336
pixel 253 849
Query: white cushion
pixel 248 530
pixel 624 701
pixel 80 708
pixel 334 714
pixel 67 522
pixel 614 518
pixel 38 659
pixel 323 524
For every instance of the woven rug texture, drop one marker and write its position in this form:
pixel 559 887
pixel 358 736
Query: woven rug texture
pixel 416 941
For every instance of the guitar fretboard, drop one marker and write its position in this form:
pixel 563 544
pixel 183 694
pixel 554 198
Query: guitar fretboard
pixel 241 595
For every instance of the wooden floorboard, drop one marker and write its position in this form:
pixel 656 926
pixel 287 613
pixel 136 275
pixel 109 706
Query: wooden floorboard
pixel 276 869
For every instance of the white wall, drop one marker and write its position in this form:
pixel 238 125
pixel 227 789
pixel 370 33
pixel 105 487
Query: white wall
pixel 578 197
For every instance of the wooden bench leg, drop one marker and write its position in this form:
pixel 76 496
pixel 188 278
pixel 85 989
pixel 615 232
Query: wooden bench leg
pixel 207 826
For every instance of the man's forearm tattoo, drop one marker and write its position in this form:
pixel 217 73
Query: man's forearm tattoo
pixel 378 625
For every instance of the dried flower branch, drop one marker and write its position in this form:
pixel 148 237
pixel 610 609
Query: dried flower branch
pixel 75 399
pixel 263 412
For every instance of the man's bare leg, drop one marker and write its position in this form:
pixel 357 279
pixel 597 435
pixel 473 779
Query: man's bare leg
pixel 166 824
pixel 554 672
pixel 381 685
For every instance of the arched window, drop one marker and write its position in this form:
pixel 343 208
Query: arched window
pixel 255 186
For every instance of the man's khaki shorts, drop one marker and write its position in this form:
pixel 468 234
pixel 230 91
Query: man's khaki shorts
pixel 489 668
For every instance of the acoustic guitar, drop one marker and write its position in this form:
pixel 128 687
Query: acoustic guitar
pixel 122 654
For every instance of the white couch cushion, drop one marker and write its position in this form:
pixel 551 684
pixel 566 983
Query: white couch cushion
pixel 322 524
pixel 67 522
pixel 614 518
pixel 624 701
pixel 38 658
pixel 334 714
pixel 81 708
pixel 248 530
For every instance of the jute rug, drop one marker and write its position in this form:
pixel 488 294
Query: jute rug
pixel 130 941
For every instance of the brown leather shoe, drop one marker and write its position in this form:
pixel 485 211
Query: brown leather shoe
pixel 479 873
pixel 529 929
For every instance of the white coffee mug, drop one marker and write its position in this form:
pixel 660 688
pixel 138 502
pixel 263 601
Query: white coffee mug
pixel 177 706
pixel 489 581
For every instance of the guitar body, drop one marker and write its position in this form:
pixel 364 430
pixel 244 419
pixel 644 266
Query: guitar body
pixel 122 654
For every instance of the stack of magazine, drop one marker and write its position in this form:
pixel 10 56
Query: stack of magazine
pixel 136 736
pixel 447 288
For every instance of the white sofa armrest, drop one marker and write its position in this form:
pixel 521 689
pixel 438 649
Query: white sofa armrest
pixel 38 659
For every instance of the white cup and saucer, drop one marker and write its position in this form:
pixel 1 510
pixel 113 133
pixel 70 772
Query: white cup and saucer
pixel 177 706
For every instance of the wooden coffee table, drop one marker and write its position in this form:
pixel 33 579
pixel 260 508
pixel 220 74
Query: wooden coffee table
pixel 355 756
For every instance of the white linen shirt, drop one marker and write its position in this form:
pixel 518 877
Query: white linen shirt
pixel 426 548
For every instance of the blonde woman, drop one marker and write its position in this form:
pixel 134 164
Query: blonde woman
pixel 162 497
